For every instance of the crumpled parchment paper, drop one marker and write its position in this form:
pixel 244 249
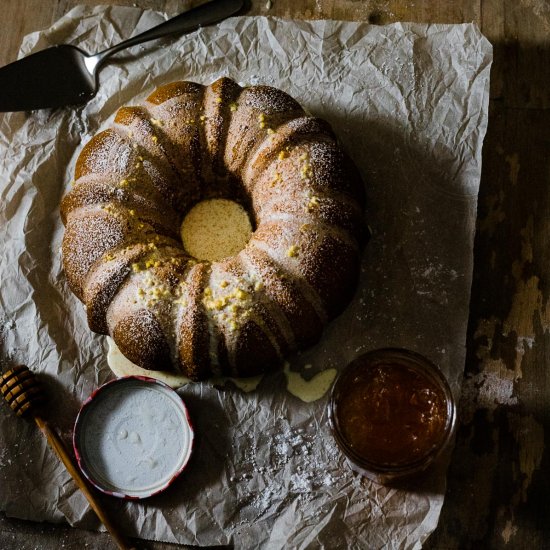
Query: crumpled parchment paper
pixel 409 103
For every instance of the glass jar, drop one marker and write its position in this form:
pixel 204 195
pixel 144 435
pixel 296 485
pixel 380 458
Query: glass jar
pixel 392 413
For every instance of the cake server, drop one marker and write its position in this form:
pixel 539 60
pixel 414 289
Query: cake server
pixel 66 75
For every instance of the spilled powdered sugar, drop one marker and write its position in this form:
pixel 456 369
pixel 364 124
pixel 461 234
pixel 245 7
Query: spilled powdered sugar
pixel 295 468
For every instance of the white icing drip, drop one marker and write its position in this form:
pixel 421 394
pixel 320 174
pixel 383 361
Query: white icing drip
pixel 309 293
pixel 121 366
pixel 309 390
pixel 272 307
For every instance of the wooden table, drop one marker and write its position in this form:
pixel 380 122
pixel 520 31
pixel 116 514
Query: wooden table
pixel 499 480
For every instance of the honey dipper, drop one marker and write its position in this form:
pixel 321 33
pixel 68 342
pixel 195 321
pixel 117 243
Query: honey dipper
pixel 26 396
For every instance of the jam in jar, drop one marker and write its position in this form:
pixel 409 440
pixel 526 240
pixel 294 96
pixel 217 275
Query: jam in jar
pixel 392 413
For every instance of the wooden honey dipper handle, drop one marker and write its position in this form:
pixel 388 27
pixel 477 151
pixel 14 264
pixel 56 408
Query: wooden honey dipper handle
pixel 25 396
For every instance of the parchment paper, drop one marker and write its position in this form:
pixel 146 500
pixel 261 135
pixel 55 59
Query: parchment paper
pixel 409 103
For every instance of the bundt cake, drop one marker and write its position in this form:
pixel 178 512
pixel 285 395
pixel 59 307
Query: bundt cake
pixel 134 184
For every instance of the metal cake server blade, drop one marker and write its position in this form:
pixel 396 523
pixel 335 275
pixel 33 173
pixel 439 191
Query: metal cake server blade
pixel 66 75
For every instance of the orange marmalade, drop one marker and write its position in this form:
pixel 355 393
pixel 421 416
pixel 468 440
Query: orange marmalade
pixel 392 412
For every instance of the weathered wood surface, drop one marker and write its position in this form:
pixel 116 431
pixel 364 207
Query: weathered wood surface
pixel 499 478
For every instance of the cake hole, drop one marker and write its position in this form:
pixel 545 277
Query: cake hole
pixel 215 229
